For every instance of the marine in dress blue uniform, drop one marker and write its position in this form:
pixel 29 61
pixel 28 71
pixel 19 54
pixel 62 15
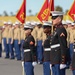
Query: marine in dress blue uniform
pixel 29 50
pixel 47 49
pixel 58 45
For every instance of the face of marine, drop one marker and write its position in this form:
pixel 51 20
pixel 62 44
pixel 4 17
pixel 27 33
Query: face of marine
pixel 56 21
pixel 47 30
pixel 28 32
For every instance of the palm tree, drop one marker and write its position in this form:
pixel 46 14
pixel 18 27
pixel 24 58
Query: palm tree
pixel 5 13
pixel 30 11
pixel 66 12
pixel 11 13
pixel 0 15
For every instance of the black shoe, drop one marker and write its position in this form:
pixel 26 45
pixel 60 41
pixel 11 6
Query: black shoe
pixel 18 59
pixel 12 58
pixel 0 56
pixel 6 57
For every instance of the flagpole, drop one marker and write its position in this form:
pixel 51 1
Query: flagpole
pixel 74 19
pixel 52 28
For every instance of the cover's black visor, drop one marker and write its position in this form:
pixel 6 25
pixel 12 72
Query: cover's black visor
pixel 26 28
pixel 46 26
pixel 54 17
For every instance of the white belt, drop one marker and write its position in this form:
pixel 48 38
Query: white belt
pixel 26 50
pixel 74 50
pixel 47 49
pixel 56 45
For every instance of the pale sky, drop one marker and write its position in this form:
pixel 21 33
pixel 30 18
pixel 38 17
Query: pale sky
pixel 34 5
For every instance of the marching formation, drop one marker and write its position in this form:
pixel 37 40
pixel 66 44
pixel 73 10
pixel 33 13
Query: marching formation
pixel 51 43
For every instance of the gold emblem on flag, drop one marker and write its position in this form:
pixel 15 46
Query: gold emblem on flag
pixel 22 16
pixel 45 13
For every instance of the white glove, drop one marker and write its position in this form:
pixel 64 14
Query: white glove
pixel 62 66
pixel 50 66
pixel 22 63
pixel 34 63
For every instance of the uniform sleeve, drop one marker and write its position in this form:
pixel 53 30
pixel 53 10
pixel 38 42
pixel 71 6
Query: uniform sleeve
pixel 44 37
pixel 32 48
pixel 12 34
pixel 23 46
pixel 7 31
pixel 71 36
pixel 19 35
pixel 68 37
pixel 0 36
pixel 42 34
pixel 74 36
pixel 34 33
pixel 62 35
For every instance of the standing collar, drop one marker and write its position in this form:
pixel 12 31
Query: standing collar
pixel 59 25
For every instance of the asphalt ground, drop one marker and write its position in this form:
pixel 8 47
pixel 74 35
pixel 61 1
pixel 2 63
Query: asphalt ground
pixel 14 67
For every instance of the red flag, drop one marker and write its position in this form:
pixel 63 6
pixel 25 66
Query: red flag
pixel 45 10
pixel 51 5
pixel 21 15
pixel 71 12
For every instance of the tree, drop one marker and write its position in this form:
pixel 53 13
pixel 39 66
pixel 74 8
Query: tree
pixel 66 12
pixel 11 13
pixel 36 14
pixel 5 13
pixel 58 8
pixel 30 12
pixel 0 15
